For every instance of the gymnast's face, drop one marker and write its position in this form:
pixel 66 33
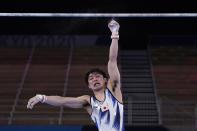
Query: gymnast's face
pixel 96 81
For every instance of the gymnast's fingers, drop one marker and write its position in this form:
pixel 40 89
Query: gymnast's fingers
pixel 33 103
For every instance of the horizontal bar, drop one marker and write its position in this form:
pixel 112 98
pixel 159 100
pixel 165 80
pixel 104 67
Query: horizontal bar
pixel 98 15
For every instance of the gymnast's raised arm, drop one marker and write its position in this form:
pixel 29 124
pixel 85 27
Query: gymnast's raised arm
pixel 112 63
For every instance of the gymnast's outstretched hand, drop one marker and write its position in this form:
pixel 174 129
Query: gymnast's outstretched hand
pixel 34 100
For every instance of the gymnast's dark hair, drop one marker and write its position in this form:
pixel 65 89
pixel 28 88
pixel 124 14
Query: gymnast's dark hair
pixel 97 70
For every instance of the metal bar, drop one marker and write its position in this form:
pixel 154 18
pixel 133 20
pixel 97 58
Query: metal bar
pixel 21 85
pixel 98 15
pixel 195 116
pixel 67 77
pixel 130 110
pixel 154 84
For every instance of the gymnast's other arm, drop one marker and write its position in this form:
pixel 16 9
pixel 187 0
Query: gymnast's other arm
pixel 71 102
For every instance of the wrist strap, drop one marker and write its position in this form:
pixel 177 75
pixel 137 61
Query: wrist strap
pixel 114 36
pixel 42 98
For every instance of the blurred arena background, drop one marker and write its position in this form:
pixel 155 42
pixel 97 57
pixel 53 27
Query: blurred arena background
pixel 157 62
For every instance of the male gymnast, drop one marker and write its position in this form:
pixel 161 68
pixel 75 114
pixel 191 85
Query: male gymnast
pixel 105 107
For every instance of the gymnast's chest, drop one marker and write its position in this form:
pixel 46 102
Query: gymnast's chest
pixel 102 107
